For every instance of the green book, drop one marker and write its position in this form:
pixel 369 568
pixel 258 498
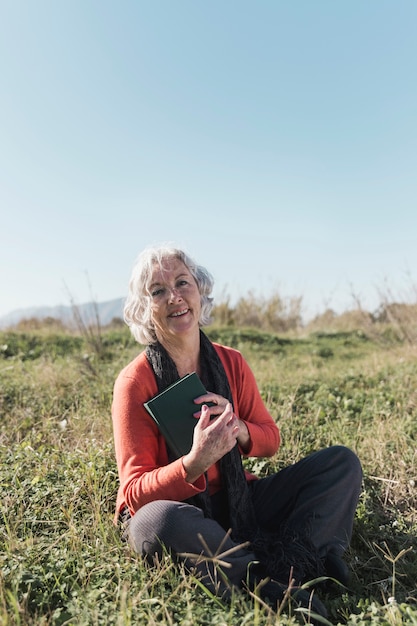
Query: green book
pixel 173 409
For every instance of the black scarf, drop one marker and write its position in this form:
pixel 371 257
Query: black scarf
pixel 280 551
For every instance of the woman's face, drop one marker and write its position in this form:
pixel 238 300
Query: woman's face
pixel 176 300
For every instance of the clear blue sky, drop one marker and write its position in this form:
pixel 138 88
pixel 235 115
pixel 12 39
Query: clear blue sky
pixel 275 140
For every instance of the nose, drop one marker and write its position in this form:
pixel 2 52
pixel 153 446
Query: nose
pixel 174 294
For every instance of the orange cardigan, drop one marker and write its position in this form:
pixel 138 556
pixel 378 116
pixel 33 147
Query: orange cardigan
pixel 145 473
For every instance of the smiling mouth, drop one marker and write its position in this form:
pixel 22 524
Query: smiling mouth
pixel 179 313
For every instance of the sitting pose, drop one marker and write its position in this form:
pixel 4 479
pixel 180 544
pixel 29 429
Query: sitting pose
pixel 269 534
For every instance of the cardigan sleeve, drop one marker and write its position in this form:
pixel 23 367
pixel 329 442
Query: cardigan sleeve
pixel 145 473
pixel 248 404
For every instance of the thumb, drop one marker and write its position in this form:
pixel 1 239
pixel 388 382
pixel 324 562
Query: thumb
pixel 204 417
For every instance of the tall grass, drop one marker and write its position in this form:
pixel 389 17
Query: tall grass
pixel 61 558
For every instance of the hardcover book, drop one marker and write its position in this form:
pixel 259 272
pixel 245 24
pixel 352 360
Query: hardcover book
pixel 173 409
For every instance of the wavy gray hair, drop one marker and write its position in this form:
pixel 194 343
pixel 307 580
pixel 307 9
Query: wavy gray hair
pixel 137 308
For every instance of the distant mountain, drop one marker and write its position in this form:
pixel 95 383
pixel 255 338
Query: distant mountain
pixel 107 311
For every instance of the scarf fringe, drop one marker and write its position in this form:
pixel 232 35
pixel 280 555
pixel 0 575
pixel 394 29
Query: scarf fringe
pixel 288 555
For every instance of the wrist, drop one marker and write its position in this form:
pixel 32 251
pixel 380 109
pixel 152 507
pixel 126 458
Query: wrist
pixel 243 437
pixel 193 470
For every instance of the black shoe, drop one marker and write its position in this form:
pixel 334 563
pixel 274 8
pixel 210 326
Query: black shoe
pixel 275 593
pixel 336 568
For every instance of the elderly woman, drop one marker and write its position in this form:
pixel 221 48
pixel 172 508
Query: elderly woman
pixel 265 534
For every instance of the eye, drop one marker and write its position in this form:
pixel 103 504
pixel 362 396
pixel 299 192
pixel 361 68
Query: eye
pixel 182 283
pixel 156 292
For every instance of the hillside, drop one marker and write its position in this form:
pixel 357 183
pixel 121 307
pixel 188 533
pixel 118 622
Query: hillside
pixel 107 312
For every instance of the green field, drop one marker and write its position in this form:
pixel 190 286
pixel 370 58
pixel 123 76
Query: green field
pixel 61 559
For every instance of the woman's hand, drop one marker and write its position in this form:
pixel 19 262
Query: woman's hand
pixel 213 438
pixel 217 406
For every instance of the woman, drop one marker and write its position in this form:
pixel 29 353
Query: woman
pixel 285 529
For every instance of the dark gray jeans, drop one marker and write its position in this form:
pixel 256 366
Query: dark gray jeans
pixel 322 488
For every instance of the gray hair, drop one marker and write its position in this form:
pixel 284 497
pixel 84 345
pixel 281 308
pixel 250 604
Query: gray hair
pixel 137 308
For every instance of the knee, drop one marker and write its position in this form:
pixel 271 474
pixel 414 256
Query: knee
pixel 153 527
pixel 348 464
pixel 146 527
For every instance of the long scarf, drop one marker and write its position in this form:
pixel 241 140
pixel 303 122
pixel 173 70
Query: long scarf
pixel 281 551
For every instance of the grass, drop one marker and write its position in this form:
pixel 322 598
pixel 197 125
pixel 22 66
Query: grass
pixel 61 558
